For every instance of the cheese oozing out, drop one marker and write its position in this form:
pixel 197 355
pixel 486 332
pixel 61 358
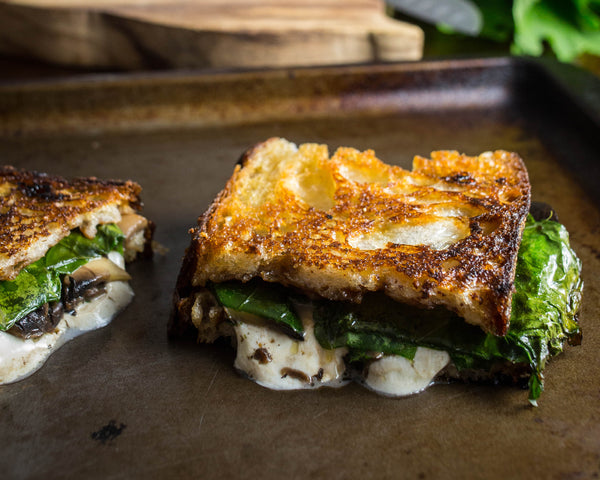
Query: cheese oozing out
pixel 397 376
pixel 276 361
pixel 20 357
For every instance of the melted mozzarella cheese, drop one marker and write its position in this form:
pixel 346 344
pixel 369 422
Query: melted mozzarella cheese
pixel 394 375
pixel 274 360
pixel 19 357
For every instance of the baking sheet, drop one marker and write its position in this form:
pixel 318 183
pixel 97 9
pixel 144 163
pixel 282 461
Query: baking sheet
pixel 125 402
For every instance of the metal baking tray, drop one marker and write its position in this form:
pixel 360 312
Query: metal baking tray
pixel 125 402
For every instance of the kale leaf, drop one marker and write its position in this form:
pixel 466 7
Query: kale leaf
pixel 269 301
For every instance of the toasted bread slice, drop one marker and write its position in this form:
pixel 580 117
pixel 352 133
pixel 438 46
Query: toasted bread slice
pixel 446 233
pixel 38 210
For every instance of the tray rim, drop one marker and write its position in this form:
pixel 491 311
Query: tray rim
pixel 577 86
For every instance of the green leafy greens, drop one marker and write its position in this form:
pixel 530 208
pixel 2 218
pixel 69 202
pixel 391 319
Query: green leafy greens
pixel 568 28
pixel 268 301
pixel 548 294
pixel 40 282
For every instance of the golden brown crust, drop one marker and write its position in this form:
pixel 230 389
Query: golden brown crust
pixel 446 233
pixel 37 210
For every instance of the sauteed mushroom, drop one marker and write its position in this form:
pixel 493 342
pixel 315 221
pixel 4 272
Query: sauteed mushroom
pixel 40 321
pixel 88 281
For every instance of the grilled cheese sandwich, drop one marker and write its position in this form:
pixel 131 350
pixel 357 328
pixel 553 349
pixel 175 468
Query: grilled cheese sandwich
pixel 347 229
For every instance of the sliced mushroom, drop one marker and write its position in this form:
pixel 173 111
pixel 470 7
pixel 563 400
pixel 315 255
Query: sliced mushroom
pixel 40 321
pixel 99 268
pixel 135 228
pixel 88 281
pixel 132 223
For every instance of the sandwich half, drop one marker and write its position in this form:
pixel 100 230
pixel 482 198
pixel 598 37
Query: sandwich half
pixel 324 269
pixel 63 247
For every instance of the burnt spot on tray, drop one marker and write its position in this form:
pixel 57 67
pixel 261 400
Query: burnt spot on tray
pixel 108 432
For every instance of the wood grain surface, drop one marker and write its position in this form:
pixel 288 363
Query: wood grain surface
pixel 136 34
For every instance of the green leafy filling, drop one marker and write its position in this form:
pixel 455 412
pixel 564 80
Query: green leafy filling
pixel 270 301
pixel 40 282
pixel 548 294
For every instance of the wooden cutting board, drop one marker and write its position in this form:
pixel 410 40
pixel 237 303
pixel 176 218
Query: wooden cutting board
pixel 138 34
